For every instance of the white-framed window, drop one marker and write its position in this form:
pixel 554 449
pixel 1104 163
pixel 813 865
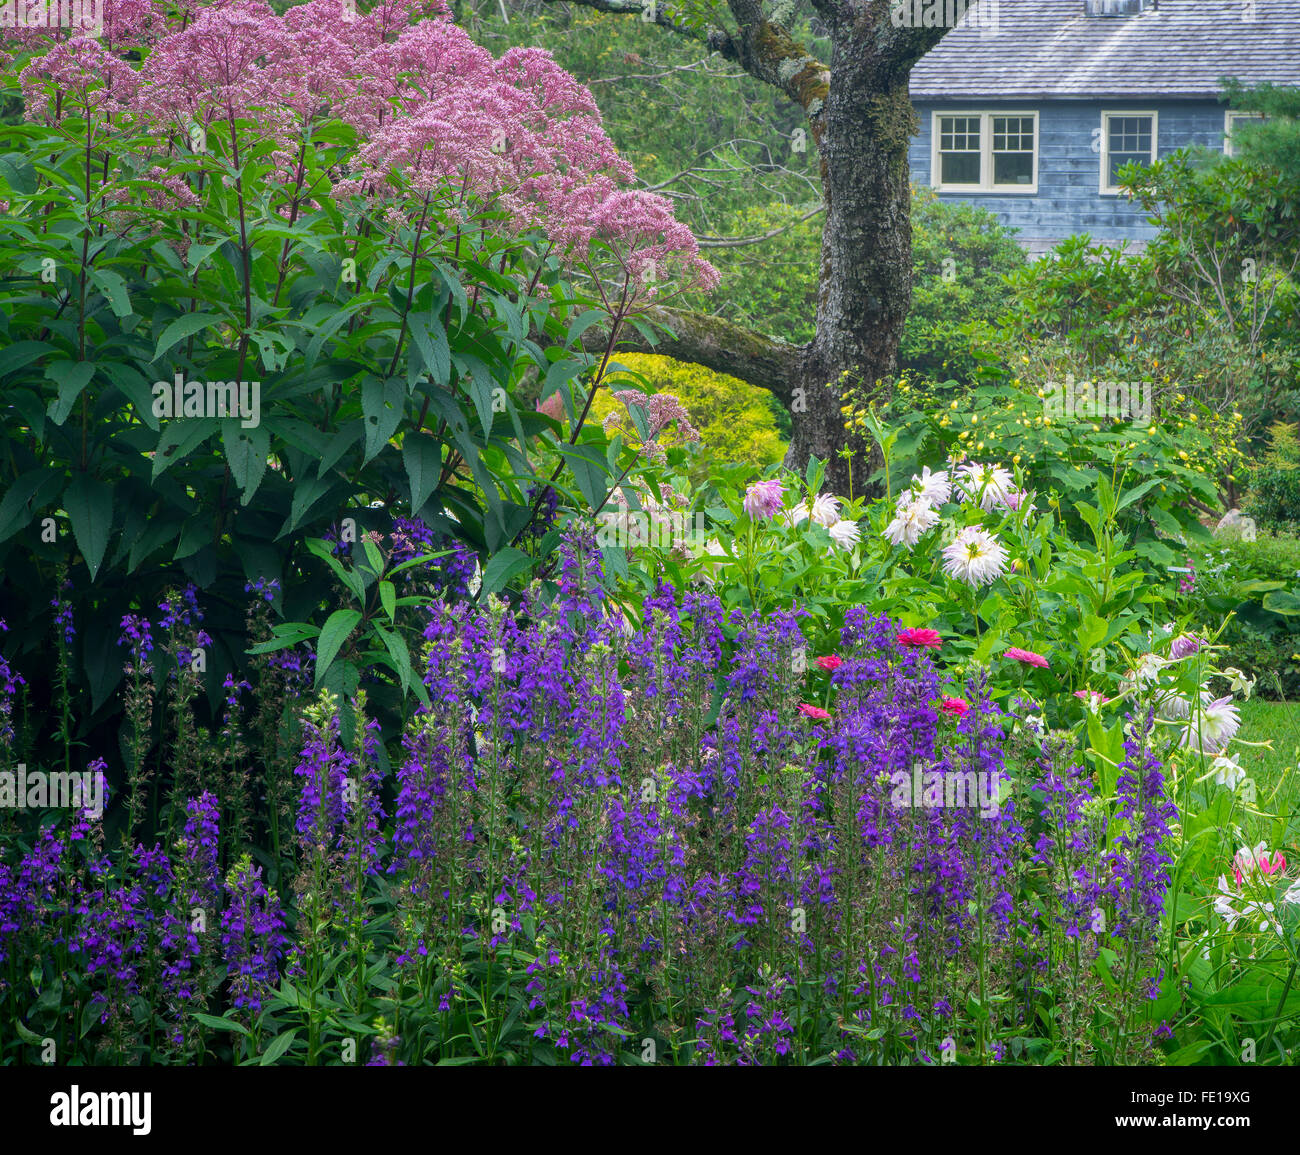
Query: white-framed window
pixel 1230 117
pixel 1126 138
pixel 984 152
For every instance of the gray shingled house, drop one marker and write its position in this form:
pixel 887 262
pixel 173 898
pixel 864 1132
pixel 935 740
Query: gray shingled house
pixel 1028 107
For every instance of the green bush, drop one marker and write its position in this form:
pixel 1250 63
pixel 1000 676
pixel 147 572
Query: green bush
pixel 1274 498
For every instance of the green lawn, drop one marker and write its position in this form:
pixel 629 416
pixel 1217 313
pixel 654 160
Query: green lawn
pixel 1278 723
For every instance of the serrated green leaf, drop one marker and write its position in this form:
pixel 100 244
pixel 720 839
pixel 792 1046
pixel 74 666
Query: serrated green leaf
pixel 89 503
pixel 184 326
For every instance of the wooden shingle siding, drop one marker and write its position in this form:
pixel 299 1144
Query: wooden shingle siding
pixel 1069 199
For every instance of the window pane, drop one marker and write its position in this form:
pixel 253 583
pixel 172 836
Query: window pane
pixel 1013 168
pixel 1128 141
pixel 1013 150
pixel 959 150
pixel 959 168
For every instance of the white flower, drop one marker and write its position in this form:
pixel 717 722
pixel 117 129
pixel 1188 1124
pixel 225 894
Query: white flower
pixel 1014 498
pixel 825 509
pixel 986 484
pixel 1239 683
pixel 1173 708
pixel 845 534
pixel 1293 893
pixel 936 488
pixel 1147 671
pixel 1213 728
pixel 1223 907
pixel 975 556
pixel 911 521
pixel 1227 771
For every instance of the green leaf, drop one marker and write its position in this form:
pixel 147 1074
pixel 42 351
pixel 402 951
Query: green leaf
pixel 221 1024
pixel 382 403
pixel 336 630
pixel 246 453
pixel 1282 602
pixel 114 289
pixel 89 503
pixel 397 650
pixel 281 1044
pixel 71 377
pixel 182 327
pixel 22 353
pixel 423 458
pixel 347 577
pixel 178 438
pixel 388 597
pixel 502 567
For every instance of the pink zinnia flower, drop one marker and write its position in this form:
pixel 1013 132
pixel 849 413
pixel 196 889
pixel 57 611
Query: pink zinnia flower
pixel 920 637
pixel 830 663
pixel 814 712
pixel 1026 656
pixel 955 706
pixel 764 499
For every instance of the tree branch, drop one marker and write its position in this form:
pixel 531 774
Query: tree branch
pixel 738 242
pixel 714 38
pixel 716 344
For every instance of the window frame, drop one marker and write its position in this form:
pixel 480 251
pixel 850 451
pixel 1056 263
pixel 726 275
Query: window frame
pixel 1106 116
pixel 986 185
pixel 1231 114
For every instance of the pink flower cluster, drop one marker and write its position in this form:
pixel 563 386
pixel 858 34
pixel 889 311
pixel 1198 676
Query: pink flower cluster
pixel 446 132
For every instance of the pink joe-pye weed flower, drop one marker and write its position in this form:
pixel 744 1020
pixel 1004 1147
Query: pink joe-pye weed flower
pixel 764 499
pixel 1028 657
pixel 919 636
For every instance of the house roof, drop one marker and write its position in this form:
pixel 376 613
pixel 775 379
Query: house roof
pixel 1052 48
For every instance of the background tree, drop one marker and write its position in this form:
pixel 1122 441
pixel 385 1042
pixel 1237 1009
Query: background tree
pixel 843 68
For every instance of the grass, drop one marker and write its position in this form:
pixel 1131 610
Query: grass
pixel 1279 724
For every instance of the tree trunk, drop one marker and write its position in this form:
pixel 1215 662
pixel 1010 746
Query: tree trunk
pixel 866 261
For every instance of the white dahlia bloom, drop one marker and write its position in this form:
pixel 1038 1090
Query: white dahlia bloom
pixel 986 484
pixel 910 522
pixel 845 534
pixel 936 488
pixel 975 556
pixel 1213 727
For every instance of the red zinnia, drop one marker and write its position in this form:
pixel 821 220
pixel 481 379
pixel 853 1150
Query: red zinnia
pixel 814 712
pixel 1027 656
pixel 830 662
pixel 920 637
pixel 955 706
